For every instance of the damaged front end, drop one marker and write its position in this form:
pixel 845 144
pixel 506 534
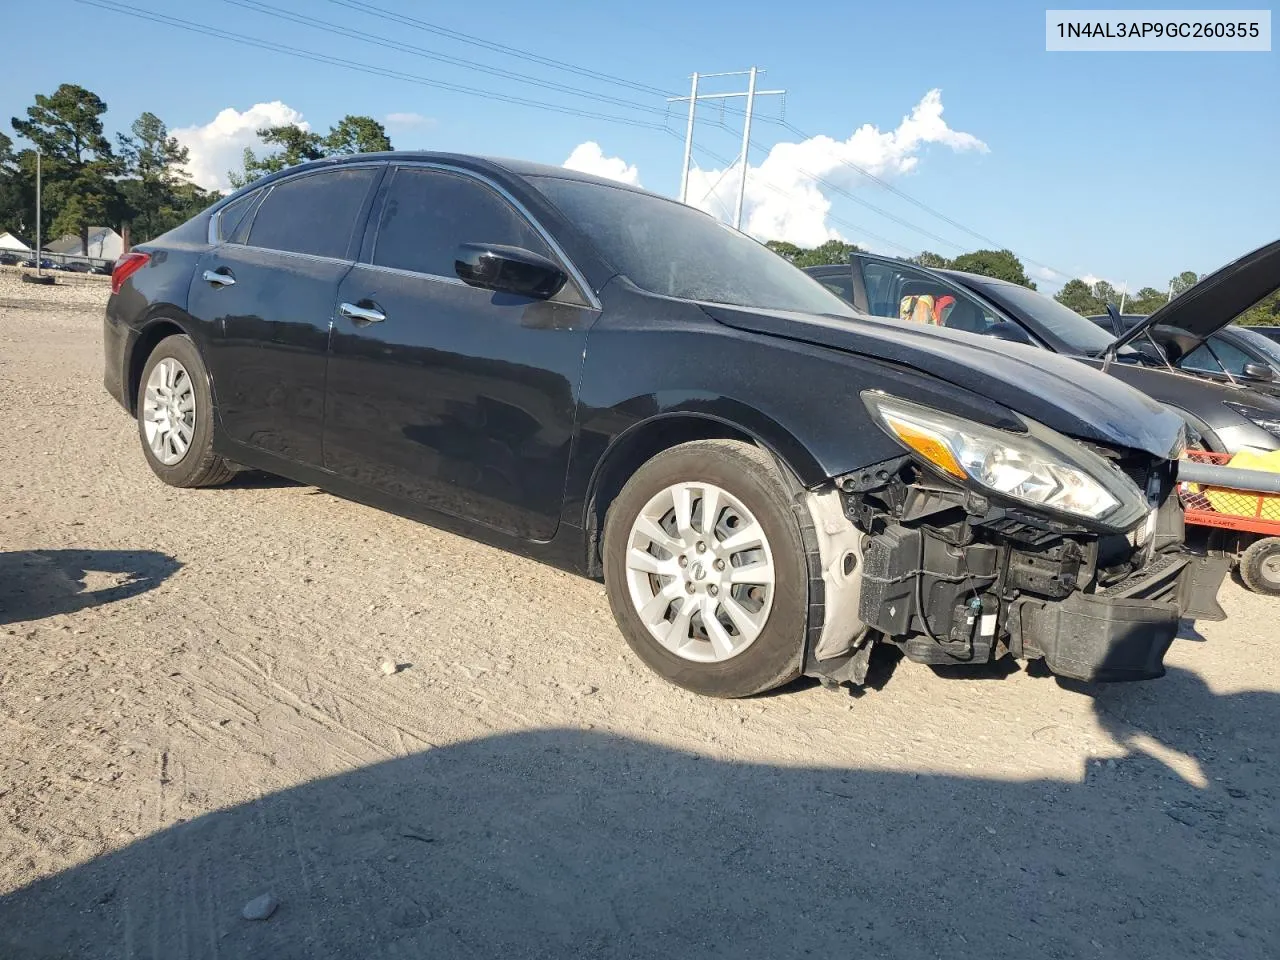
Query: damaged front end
pixel 979 543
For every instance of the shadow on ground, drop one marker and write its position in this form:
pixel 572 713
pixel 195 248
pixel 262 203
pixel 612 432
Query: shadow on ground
pixel 42 583
pixel 259 480
pixel 566 843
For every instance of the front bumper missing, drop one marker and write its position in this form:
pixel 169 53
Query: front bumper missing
pixel 1121 633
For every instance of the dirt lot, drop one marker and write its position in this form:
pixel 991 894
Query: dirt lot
pixel 192 714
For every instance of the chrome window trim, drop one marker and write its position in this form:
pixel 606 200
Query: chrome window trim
pixel 292 253
pixel 584 289
pixel 400 272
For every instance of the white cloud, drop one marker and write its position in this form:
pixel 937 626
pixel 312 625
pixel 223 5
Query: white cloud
pixel 1044 273
pixel 783 202
pixel 589 158
pixel 408 119
pixel 218 145
pixel 1090 279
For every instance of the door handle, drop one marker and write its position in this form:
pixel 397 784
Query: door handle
pixel 353 311
pixel 219 279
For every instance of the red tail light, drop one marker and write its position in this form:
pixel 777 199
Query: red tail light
pixel 126 267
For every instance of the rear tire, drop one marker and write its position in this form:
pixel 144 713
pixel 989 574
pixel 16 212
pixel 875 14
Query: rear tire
pixel 1260 567
pixel 175 417
pixel 727 618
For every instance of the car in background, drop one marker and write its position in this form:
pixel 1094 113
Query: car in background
pixel 571 368
pixel 1271 333
pixel 1225 417
pixel 10 259
pixel 77 266
pixel 1235 355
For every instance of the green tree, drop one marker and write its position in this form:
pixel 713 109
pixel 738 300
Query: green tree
pixel 78 162
pixel 356 134
pixel 156 189
pixel 1105 293
pixel 788 251
pixel 1146 300
pixel 14 209
pixel 1264 313
pixel 1078 296
pixel 936 261
pixel 833 251
pixel 353 134
pixel 1000 264
pixel 1183 282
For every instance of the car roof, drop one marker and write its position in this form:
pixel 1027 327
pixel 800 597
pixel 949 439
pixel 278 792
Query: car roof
pixel 520 168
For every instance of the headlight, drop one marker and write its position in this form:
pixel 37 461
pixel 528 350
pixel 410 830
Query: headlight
pixel 1265 419
pixel 1040 467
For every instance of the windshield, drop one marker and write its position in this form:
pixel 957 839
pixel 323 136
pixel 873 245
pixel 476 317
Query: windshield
pixel 667 248
pixel 1081 336
pixel 1263 345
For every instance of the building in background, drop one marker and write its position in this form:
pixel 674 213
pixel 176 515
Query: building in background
pixel 104 244
pixel 9 242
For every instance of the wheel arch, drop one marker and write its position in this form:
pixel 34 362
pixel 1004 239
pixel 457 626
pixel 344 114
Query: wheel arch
pixel 644 440
pixel 159 326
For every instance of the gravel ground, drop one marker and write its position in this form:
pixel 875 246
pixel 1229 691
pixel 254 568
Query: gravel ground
pixel 194 713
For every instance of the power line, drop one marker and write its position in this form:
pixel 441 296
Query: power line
pixel 369 8
pixel 920 203
pixel 365 68
pixel 338 30
pixel 857 228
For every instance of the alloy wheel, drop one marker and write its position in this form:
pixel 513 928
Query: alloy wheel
pixel 700 572
pixel 169 411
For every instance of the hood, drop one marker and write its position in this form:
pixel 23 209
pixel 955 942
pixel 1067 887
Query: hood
pixel 1217 299
pixel 1057 391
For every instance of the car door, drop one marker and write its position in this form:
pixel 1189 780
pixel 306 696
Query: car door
pixel 457 398
pixel 895 290
pixel 269 286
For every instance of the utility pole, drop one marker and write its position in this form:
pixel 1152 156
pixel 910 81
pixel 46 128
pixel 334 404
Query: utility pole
pixel 750 93
pixel 688 141
pixel 38 257
pixel 746 150
pixel 1124 292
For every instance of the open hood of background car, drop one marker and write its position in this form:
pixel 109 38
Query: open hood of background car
pixel 1217 299
pixel 1057 391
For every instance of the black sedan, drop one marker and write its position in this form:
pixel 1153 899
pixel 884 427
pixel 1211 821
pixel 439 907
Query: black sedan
pixel 768 483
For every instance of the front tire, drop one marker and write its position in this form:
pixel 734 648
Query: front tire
pixel 705 569
pixel 1260 567
pixel 175 417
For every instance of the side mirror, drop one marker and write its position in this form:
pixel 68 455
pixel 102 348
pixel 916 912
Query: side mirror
pixel 1258 371
pixel 494 266
pixel 1006 330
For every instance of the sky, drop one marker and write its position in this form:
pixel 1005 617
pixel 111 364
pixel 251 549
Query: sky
pixel 1129 167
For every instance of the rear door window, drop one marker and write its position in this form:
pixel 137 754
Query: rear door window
pixel 314 214
pixel 428 213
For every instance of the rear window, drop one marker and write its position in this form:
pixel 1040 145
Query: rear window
pixel 313 214
pixel 230 216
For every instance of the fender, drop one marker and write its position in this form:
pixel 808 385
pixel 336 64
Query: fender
pixel 805 406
